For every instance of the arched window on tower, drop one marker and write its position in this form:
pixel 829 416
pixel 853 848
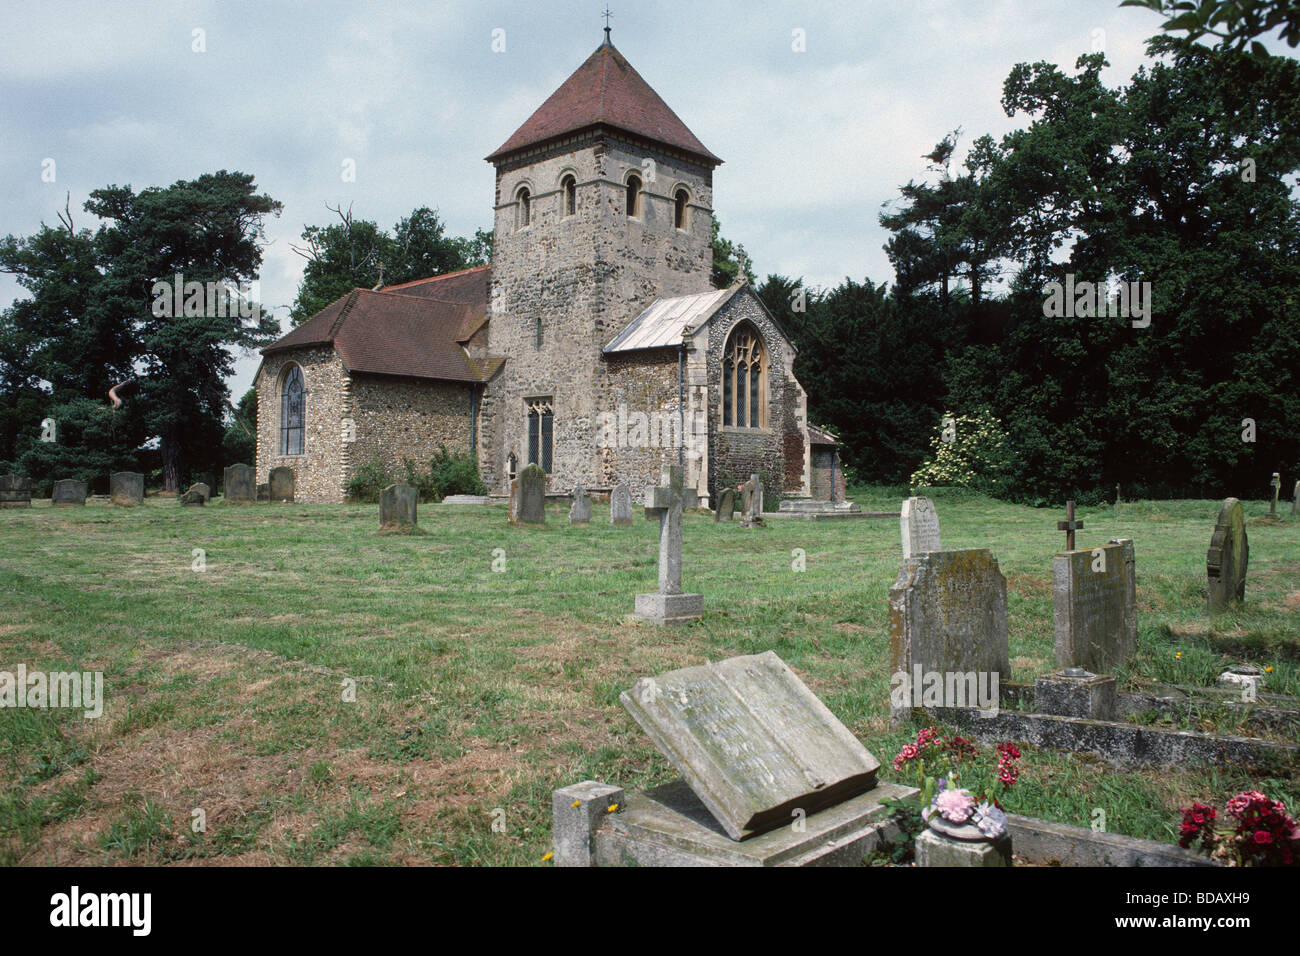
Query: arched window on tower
pixel 569 195
pixel 293 408
pixel 633 197
pixel 525 200
pixel 744 379
pixel 681 210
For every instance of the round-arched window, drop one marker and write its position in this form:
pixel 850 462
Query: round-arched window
pixel 524 198
pixel 681 209
pixel 633 196
pixel 569 195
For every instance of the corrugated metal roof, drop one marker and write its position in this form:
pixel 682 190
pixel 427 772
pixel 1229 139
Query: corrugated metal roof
pixel 662 324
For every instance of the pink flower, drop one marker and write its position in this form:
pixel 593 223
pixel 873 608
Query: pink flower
pixel 955 806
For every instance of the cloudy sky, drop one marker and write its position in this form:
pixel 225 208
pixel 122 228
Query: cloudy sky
pixel 813 142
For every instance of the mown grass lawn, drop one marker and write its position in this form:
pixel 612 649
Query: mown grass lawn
pixel 477 691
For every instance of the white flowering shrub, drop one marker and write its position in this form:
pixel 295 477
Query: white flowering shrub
pixel 967 451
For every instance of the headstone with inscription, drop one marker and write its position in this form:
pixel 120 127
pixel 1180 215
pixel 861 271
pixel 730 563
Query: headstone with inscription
pixel 281 483
pixel 532 496
pixel 239 483
pixel 920 527
pixel 69 492
pixel 668 605
pixel 397 506
pixel 15 491
pixel 752 742
pixel 126 487
pixel 580 510
pixel 1094 603
pixel 948 614
pixel 1227 558
pixel 620 505
pixel 726 505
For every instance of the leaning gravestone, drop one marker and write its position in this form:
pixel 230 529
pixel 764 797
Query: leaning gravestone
pixel 668 605
pixel 752 741
pixel 202 489
pixel 126 487
pixel 240 483
pixel 532 496
pixel 580 510
pixel 15 492
pixel 281 483
pixel 1094 604
pixel 196 496
pixel 920 527
pixel 726 506
pixel 948 615
pixel 397 507
pixel 69 491
pixel 1229 554
pixel 620 505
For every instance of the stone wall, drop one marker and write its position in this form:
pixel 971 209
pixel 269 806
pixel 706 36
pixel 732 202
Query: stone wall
pixel 640 400
pixel 778 453
pixel 399 418
pixel 584 277
pixel 319 472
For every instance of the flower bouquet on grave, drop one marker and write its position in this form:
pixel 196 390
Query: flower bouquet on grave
pixel 1264 835
pixel 960 794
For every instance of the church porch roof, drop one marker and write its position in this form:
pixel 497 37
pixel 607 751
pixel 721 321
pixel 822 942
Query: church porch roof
pixel 662 324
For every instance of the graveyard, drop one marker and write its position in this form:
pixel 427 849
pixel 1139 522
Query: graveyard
pixel 327 692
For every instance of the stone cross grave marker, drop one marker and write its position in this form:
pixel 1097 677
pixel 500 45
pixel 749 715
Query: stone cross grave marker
pixel 69 492
pixel 1276 485
pixel 580 510
pixel 532 496
pixel 1069 526
pixel 15 492
pixel 620 505
pixel 281 483
pixel 397 506
pixel 726 505
pixel 1094 605
pixel 240 483
pixel 919 524
pixel 668 605
pixel 753 743
pixel 126 487
pixel 1227 558
pixel 948 615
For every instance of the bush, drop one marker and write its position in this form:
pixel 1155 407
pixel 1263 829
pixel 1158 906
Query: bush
pixel 969 451
pixel 455 474
pixel 370 479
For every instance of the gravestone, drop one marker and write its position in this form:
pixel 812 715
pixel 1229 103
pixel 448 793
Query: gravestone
pixel 15 491
pixel 239 483
pixel 580 510
pixel 668 605
pixel 752 742
pixel 512 503
pixel 196 496
pixel 690 499
pixel 948 615
pixel 726 506
pixel 281 483
pixel 397 506
pixel 69 492
pixel 202 489
pixel 1227 558
pixel 126 487
pixel 752 500
pixel 1295 501
pixel 620 505
pixel 919 524
pixel 532 496
pixel 1276 485
pixel 264 491
pixel 1094 604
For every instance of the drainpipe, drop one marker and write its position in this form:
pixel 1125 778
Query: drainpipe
pixel 473 419
pixel 681 409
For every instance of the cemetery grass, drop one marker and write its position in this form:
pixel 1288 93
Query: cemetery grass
pixel 479 692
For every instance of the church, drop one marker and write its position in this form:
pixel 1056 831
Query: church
pixel 594 345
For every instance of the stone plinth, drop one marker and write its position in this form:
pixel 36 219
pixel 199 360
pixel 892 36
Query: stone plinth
pixel 935 849
pixel 668 609
pixel 576 812
pixel 1075 693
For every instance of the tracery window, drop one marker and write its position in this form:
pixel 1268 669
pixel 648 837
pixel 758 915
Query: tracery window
pixel 293 407
pixel 744 379
pixel 541 431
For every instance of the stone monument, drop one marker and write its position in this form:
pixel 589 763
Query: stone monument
pixel 281 483
pixel 1227 558
pixel 668 605
pixel 126 487
pixel 1094 603
pixel 919 524
pixel 580 510
pixel 239 483
pixel 397 506
pixel 620 505
pixel 68 492
pixel 15 492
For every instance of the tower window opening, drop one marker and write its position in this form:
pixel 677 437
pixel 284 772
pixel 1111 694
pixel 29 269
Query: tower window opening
pixel 633 196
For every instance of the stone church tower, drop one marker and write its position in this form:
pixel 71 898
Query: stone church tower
pixel 603 204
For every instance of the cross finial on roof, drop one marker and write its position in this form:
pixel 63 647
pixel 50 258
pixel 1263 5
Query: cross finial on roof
pixel 607 15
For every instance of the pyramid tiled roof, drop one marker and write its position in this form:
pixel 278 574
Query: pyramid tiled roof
pixel 605 91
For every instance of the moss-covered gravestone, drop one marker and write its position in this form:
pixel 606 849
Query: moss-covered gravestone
pixel 726 506
pixel 1227 558
pixel 126 487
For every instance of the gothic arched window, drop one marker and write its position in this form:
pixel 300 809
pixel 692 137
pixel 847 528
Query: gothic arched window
pixel 569 195
pixel 525 200
pixel 744 379
pixel 680 209
pixel 293 407
pixel 633 196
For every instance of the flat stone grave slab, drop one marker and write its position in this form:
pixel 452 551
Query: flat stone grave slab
pixel 15 491
pixel 126 487
pixel 752 742
pixel 467 500
pixel 69 492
